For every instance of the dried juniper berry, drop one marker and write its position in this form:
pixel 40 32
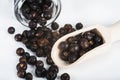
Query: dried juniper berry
pixel 40 72
pixel 98 40
pixel 74 48
pixel 89 35
pixel 23 59
pixel 26 54
pixel 84 43
pixel 51 75
pixel 20 51
pixel 34 47
pixel 34 6
pixel 53 68
pixel 24 33
pixel 63 45
pixel 49 61
pixel 39 63
pixel 65 76
pixel 72 39
pixel 64 55
pixel 25 8
pixel 47 16
pixel 32 24
pixel 79 26
pixel 54 25
pixel 22 66
pixel 62 31
pixel 11 30
pixel 21 74
pixel 43 42
pixel 32 60
pixel 18 37
pixel 24 40
pixel 72 57
pixel 40 52
pixel 42 21
pixel 68 26
pixel 29 76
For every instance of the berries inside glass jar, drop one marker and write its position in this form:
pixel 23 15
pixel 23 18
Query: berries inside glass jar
pixel 76 46
pixel 37 11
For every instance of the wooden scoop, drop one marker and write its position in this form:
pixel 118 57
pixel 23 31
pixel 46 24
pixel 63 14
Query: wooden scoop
pixel 110 35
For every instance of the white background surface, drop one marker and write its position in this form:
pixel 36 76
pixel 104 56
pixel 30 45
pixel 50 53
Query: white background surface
pixel 103 67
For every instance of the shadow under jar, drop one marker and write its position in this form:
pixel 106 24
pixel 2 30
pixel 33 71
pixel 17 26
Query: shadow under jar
pixel 26 11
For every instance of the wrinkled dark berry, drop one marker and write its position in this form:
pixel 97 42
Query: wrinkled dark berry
pixel 24 33
pixel 42 21
pixel 29 76
pixel 40 52
pixel 47 50
pixel 45 8
pixel 26 54
pixel 53 68
pixel 47 16
pixel 55 35
pixel 79 26
pixel 25 8
pixel 11 30
pixel 28 45
pixel 34 47
pixel 49 61
pixel 74 48
pixel 72 40
pixel 34 6
pixel 32 24
pixel 51 75
pixel 63 45
pixel 24 40
pixel 39 64
pixel 40 72
pixel 65 76
pixel 84 43
pixel 33 15
pixel 62 31
pixel 54 26
pixel 21 74
pixel 72 57
pixel 43 42
pixel 20 51
pixel 68 26
pixel 32 60
pixel 18 37
pixel 21 66
pixel 23 59
pixel 89 35
pixel 64 55
pixel 98 40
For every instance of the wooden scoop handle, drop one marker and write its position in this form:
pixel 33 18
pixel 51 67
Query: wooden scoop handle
pixel 115 31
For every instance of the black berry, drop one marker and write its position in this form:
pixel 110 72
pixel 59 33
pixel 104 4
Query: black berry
pixel 32 60
pixel 65 76
pixel 20 51
pixel 11 30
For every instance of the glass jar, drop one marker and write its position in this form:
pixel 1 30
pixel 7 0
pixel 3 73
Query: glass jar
pixel 55 9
